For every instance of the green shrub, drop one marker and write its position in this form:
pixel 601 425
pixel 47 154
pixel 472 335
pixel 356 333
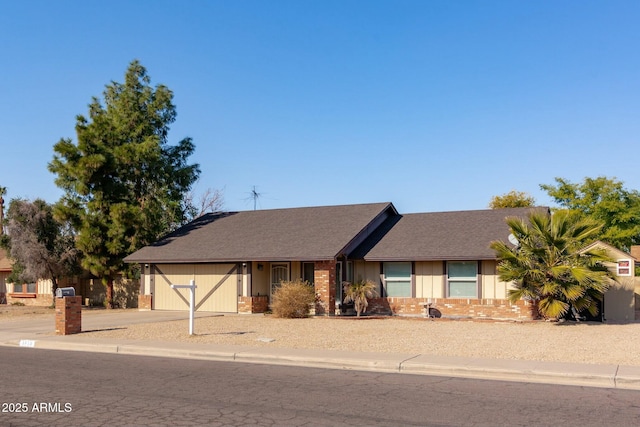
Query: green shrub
pixel 293 299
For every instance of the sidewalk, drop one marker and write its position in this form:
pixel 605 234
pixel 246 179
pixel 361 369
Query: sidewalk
pixel 37 333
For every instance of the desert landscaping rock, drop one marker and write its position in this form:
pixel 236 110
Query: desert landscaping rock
pixel 584 342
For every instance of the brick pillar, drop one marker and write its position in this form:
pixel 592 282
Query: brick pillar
pixel 324 279
pixel 68 315
pixel 257 304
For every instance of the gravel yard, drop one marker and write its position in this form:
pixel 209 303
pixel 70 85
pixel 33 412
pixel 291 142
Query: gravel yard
pixel 583 342
pixel 13 312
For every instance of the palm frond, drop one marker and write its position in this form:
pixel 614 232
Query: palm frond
pixel 549 267
pixel 552 308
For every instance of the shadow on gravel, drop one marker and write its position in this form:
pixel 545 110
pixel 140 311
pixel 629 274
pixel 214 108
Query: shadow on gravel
pixel 231 333
pixel 102 330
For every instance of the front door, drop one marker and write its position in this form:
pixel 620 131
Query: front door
pixel 279 274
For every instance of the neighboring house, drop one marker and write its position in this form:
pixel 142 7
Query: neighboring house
pixel 5 271
pixel 635 253
pixel 440 260
pixel 619 302
pixel 40 293
pixel 37 293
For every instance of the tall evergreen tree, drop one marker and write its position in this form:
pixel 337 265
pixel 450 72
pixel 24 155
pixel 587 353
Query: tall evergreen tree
pixel 125 186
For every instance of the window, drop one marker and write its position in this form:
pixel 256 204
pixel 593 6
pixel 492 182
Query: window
pixel 27 288
pixel 462 279
pixel 279 274
pixel 339 279
pixel 308 272
pixel 624 267
pixel 397 279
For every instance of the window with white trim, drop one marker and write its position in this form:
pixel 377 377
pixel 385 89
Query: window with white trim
pixel 397 279
pixel 462 279
pixel 279 274
pixel 623 267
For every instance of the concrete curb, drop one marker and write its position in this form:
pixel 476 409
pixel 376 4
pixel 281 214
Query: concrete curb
pixel 604 376
pixel 377 362
pixel 628 377
pixel 517 370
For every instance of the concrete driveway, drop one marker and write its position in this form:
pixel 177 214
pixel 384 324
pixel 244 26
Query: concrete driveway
pixel 92 320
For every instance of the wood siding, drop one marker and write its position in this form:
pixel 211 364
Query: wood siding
pixel 217 287
pixel 430 278
pixel 4 288
pixel 492 287
pixel 366 270
pixel 260 278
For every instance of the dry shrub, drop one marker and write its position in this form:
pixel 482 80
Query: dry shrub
pixel 359 293
pixel 293 299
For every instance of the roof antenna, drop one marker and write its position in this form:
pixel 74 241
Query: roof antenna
pixel 254 195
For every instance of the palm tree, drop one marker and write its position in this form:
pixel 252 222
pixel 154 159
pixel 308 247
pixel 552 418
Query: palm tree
pixel 359 293
pixel 549 268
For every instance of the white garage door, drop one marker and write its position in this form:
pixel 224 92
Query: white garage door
pixel 216 287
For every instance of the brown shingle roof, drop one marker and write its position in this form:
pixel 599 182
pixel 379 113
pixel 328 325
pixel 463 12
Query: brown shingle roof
pixel 315 233
pixel 460 235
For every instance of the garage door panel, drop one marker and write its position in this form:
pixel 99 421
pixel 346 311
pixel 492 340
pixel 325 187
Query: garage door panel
pixel 166 298
pixel 216 287
pixel 223 281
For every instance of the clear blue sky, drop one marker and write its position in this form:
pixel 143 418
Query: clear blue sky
pixel 434 105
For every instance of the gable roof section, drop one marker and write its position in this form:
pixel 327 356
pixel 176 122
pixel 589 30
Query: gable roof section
pixel 314 233
pixel 612 251
pixel 439 236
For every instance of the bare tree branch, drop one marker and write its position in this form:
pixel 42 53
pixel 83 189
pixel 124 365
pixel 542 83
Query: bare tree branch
pixel 212 200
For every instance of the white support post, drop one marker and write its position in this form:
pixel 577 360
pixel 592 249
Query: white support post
pixel 192 301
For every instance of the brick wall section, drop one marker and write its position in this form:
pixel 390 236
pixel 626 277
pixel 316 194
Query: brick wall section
pixel 253 304
pixel 455 308
pixel 68 315
pixel 324 278
pixel 145 302
pixel 41 300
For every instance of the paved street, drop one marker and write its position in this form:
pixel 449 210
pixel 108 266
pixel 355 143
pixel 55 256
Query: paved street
pixel 91 389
